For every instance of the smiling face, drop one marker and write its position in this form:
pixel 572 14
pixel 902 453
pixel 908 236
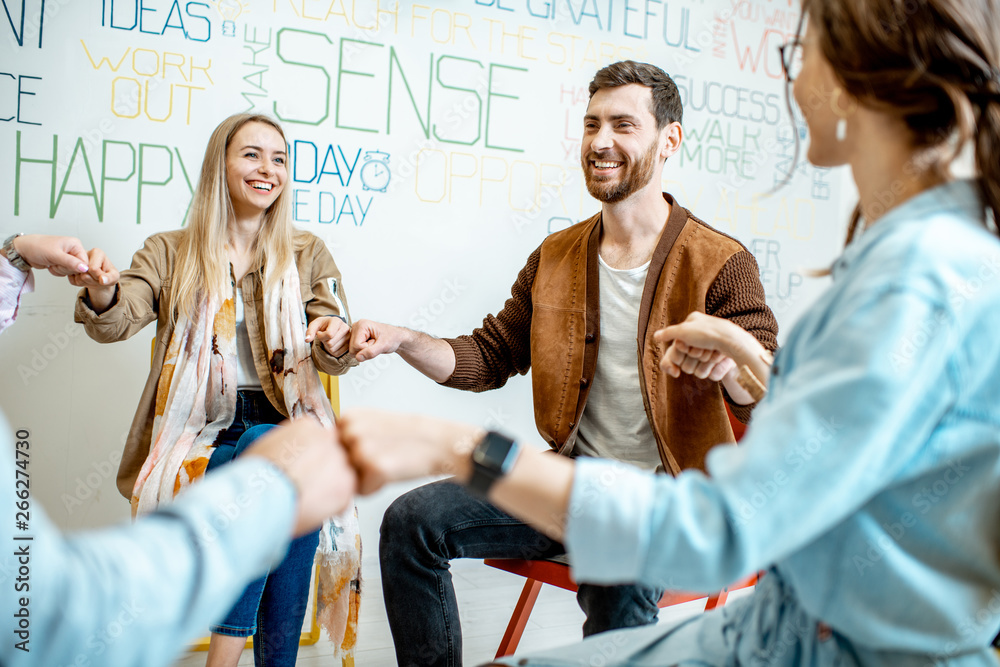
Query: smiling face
pixel 255 168
pixel 621 148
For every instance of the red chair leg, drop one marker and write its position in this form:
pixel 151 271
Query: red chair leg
pixel 717 600
pixel 519 618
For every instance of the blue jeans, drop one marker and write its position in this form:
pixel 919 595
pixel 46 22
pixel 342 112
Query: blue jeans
pixel 768 627
pixel 273 607
pixel 426 528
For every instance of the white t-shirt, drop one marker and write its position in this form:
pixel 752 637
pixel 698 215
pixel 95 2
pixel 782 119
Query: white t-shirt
pixel 246 371
pixel 614 423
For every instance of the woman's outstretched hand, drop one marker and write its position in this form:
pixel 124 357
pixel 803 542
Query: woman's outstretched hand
pixel 101 280
pixel 716 349
pixel 317 466
pixel 386 447
pixel 60 255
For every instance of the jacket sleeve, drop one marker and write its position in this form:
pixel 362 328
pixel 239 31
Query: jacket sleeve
pixel 13 283
pixel 738 295
pixel 501 347
pixel 134 594
pixel 326 296
pixel 870 418
pixel 136 300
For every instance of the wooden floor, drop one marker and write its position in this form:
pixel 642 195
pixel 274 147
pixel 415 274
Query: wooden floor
pixel 486 597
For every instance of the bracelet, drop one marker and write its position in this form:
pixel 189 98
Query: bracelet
pixel 14 257
pixel 750 382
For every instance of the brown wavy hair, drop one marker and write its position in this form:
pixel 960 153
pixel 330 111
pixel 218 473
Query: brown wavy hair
pixel 666 107
pixel 934 64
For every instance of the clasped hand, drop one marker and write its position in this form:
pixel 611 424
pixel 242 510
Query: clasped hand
pixel 698 346
pixel 332 332
pixel 64 256
pixel 713 348
pixel 366 450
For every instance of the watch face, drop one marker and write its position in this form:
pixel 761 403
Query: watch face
pixel 481 454
pixel 493 450
pixel 491 459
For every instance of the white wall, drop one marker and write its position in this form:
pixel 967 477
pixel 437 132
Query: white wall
pixel 474 107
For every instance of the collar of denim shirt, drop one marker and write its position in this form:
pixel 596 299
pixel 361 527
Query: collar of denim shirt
pixel 961 197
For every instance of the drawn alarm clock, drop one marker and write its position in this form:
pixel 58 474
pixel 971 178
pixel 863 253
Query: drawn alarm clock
pixel 375 172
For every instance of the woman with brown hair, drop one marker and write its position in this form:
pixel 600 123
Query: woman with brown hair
pixel 237 295
pixel 868 483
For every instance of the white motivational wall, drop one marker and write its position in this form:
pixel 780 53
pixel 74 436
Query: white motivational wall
pixel 432 146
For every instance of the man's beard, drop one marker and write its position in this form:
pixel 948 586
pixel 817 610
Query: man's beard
pixel 635 177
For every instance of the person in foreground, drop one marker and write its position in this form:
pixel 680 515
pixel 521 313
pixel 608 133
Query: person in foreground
pixel 581 316
pixel 868 484
pixel 238 295
pixel 133 595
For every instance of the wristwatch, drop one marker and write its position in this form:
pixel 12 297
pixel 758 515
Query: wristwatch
pixel 492 458
pixel 12 256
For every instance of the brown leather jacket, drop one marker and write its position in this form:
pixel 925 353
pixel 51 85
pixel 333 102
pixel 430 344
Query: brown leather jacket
pixel 551 324
pixel 145 285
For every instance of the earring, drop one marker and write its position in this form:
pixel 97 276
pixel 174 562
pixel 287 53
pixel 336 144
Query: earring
pixel 842 114
pixel 841 129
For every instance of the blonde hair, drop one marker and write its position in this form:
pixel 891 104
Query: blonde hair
pixel 202 268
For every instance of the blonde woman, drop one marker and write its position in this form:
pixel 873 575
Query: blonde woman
pixel 237 296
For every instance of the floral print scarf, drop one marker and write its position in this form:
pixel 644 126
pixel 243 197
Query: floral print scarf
pixel 196 401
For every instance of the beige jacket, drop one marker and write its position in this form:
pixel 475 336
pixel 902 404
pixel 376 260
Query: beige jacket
pixel 145 285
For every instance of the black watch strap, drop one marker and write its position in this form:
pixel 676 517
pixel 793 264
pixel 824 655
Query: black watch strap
pixel 492 458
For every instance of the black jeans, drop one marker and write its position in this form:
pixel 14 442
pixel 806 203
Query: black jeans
pixel 426 528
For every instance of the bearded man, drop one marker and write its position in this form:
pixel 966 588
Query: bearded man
pixel 581 316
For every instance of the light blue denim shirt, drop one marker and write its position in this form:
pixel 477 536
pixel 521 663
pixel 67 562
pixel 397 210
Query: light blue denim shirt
pixel 133 595
pixel 870 476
